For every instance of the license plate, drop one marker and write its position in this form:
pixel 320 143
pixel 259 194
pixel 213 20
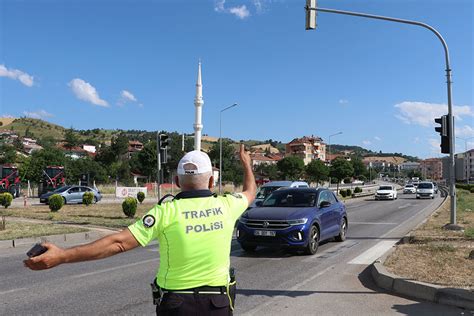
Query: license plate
pixel 270 233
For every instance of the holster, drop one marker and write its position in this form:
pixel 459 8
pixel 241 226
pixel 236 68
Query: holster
pixel 232 288
pixel 157 293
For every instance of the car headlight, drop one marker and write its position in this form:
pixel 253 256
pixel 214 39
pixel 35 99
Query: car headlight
pixel 300 221
pixel 243 220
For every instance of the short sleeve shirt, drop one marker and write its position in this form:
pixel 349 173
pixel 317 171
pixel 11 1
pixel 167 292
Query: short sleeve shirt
pixel 194 234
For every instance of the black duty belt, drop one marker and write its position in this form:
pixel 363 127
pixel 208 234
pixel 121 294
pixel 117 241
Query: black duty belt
pixel 199 290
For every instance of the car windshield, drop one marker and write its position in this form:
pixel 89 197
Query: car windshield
pixel 61 189
pixel 425 186
pixel 263 192
pixel 409 186
pixel 291 198
pixel 385 188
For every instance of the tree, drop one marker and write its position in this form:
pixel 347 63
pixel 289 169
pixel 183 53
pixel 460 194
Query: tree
pixel 32 168
pixel 359 168
pixel 268 170
pixel 146 160
pixel 340 169
pixel 291 167
pixel 120 145
pixel 317 171
pixel 75 168
pixel 231 169
pixel 7 154
pixel 70 138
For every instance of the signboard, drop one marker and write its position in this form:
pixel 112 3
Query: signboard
pixel 123 192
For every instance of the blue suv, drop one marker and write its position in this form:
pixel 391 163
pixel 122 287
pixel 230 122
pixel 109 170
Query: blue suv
pixel 297 218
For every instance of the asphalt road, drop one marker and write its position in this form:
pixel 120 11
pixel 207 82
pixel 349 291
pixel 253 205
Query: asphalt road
pixel 335 281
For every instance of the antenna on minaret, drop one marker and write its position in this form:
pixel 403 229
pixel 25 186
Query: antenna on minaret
pixel 198 103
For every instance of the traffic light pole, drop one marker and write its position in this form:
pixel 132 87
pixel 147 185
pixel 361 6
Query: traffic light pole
pixel 452 180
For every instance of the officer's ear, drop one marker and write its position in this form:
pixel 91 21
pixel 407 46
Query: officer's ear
pixel 211 182
pixel 176 180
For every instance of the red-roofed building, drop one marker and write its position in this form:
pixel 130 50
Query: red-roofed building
pixel 308 148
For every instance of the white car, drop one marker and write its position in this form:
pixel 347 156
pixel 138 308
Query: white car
pixel 386 192
pixel 409 188
pixel 425 190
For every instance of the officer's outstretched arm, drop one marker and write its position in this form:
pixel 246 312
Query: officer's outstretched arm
pixel 250 188
pixel 102 248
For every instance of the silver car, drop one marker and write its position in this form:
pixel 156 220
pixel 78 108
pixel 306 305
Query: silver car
pixel 72 194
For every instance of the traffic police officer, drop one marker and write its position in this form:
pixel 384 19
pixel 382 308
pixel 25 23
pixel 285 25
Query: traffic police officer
pixel 194 232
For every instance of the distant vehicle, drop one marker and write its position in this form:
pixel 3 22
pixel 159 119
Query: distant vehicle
pixel 386 192
pixel 71 194
pixel 297 218
pixel 435 187
pixel 409 188
pixel 54 177
pixel 358 182
pixel 425 190
pixel 266 189
pixel 10 180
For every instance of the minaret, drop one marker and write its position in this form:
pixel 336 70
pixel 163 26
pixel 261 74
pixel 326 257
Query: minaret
pixel 198 102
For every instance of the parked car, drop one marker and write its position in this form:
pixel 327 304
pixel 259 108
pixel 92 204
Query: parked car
pixel 425 190
pixel 409 188
pixel 296 218
pixel 266 189
pixel 386 192
pixel 71 194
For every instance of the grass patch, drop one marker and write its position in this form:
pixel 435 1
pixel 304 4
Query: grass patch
pixel 436 255
pixel 14 230
pixel 107 215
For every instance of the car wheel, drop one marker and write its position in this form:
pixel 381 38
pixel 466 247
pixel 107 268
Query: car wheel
pixel 248 248
pixel 65 201
pixel 313 241
pixel 95 199
pixel 342 231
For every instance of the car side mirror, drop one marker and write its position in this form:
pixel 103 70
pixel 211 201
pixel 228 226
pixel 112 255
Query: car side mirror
pixel 324 204
pixel 259 203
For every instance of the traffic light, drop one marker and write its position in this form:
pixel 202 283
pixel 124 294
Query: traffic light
pixel 164 141
pixel 310 15
pixel 443 131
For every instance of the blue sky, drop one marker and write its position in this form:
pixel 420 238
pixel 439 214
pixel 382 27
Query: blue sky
pixel 133 64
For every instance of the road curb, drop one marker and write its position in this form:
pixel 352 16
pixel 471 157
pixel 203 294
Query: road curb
pixel 458 297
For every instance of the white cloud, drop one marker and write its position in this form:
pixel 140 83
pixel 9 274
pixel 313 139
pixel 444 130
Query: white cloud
pixel 343 101
pixel 422 113
pixel 40 114
pixel 16 74
pixel 366 142
pixel 377 138
pixel 258 5
pixel 6 116
pixel 127 95
pixel 86 92
pixel 239 11
pixel 464 131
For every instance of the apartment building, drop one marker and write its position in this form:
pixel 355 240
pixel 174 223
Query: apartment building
pixel 308 148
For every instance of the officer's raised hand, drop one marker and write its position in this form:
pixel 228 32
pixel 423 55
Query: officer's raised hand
pixel 249 188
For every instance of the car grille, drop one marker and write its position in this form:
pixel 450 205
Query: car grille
pixel 383 193
pixel 267 224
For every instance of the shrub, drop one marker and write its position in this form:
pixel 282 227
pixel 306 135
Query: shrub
pixel 348 192
pixel 55 202
pixel 358 190
pixel 6 199
pixel 342 193
pixel 88 198
pixel 140 197
pixel 347 180
pixel 472 190
pixel 129 206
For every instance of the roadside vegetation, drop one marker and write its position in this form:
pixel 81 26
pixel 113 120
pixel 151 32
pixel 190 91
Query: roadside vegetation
pixel 436 255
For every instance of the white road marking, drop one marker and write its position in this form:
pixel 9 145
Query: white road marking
pixel 404 206
pixel 371 223
pixel 372 254
pixel 114 268
pixel 13 290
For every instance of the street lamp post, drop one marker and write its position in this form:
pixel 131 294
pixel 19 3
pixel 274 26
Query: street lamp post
pixel 465 141
pixel 311 24
pixel 220 145
pixel 329 151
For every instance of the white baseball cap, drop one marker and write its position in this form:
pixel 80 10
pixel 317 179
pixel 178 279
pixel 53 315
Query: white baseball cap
pixel 196 162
